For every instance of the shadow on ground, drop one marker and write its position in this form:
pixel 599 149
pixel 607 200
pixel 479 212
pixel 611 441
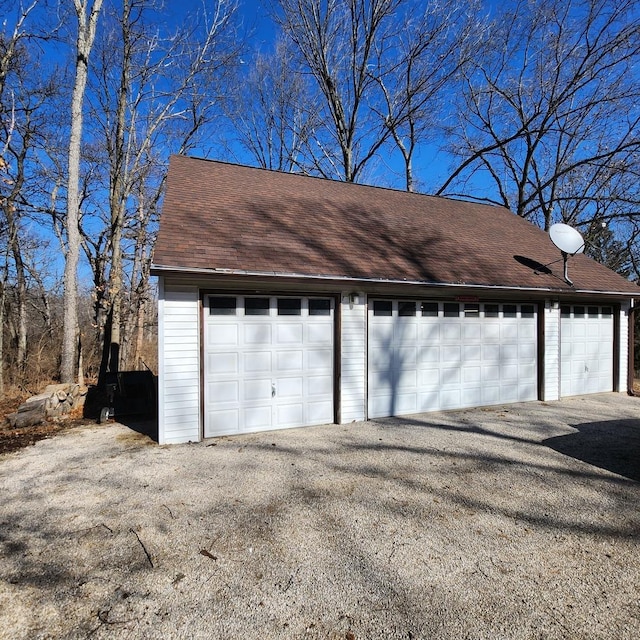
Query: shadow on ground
pixel 128 397
pixel 613 445
pixel 148 426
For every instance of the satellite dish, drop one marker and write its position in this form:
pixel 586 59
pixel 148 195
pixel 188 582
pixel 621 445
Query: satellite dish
pixel 569 241
pixel 566 238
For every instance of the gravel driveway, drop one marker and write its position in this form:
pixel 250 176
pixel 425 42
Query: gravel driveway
pixel 506 522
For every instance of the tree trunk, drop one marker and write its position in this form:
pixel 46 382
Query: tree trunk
pixel 13 219
pixel 139 287
pixel 21 291
pixel 115 288
pixel 118 191
pixel 70 295
pixel 2 297
pixel 21 287
pixel 86 35
pixel 140 312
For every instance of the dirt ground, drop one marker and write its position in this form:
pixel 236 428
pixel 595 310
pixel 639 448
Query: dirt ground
pixel 513 522
pixel 14 439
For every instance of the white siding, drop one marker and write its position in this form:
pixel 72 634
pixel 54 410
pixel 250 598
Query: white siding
pixel 551 351
pixel 624 346
pixel 178 364
pixel 353 380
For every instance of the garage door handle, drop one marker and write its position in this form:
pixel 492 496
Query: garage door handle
pixel 273 390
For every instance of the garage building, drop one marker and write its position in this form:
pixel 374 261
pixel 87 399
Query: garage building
pixel 287 301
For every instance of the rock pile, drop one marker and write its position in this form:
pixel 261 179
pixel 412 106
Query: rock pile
pixel 55 401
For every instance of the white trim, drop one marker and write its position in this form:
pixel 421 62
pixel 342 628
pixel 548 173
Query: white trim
pixel 422 283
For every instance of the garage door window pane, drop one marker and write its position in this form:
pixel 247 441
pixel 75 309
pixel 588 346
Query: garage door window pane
pixel 406 309
pixel 471 310
pixel 319 307
pixel 578 312
pixel 593 312
pixel 382 307
pixel 289 306
pixel 510 311
pixel 606 311
pixel 526 311
pixel 451 310
pixel 491 310
pixel 430 309
pixel 222 306
pixel 256 306
pixel 565 311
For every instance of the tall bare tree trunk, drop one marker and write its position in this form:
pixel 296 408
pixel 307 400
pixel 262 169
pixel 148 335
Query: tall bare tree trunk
pixel 138 291
pixel 86 35
pixel 21 295
pixel 2 297
pixel 118 190
pixel 12 214
pixel 141 312
pixel 21 287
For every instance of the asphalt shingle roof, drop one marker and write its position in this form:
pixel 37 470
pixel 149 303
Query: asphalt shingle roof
pixel 231 217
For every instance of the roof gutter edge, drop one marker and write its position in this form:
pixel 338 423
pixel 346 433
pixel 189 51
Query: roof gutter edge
pixel 158 269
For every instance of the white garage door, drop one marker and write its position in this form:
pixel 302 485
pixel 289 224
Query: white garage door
pixel 586 350
pixel 268 363
pixel 426 356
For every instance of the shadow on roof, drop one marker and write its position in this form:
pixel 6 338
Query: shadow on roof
pixel 353 241
pixel 534 265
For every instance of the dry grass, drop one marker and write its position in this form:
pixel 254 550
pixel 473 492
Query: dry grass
pixel 10 401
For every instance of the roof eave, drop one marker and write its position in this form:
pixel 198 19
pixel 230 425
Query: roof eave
pixel 159 270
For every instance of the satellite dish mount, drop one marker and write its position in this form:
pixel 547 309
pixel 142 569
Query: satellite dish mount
pixel 569 241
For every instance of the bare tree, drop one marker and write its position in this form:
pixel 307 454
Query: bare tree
pixel 549 118
pixel 437 40
pixel 12 216
pixel 273 112
pixel 4 278
pixel 154 92
pixel 11 40
pixel 17 188
pixel 25 91
pixel 338 42
pixel 87 13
